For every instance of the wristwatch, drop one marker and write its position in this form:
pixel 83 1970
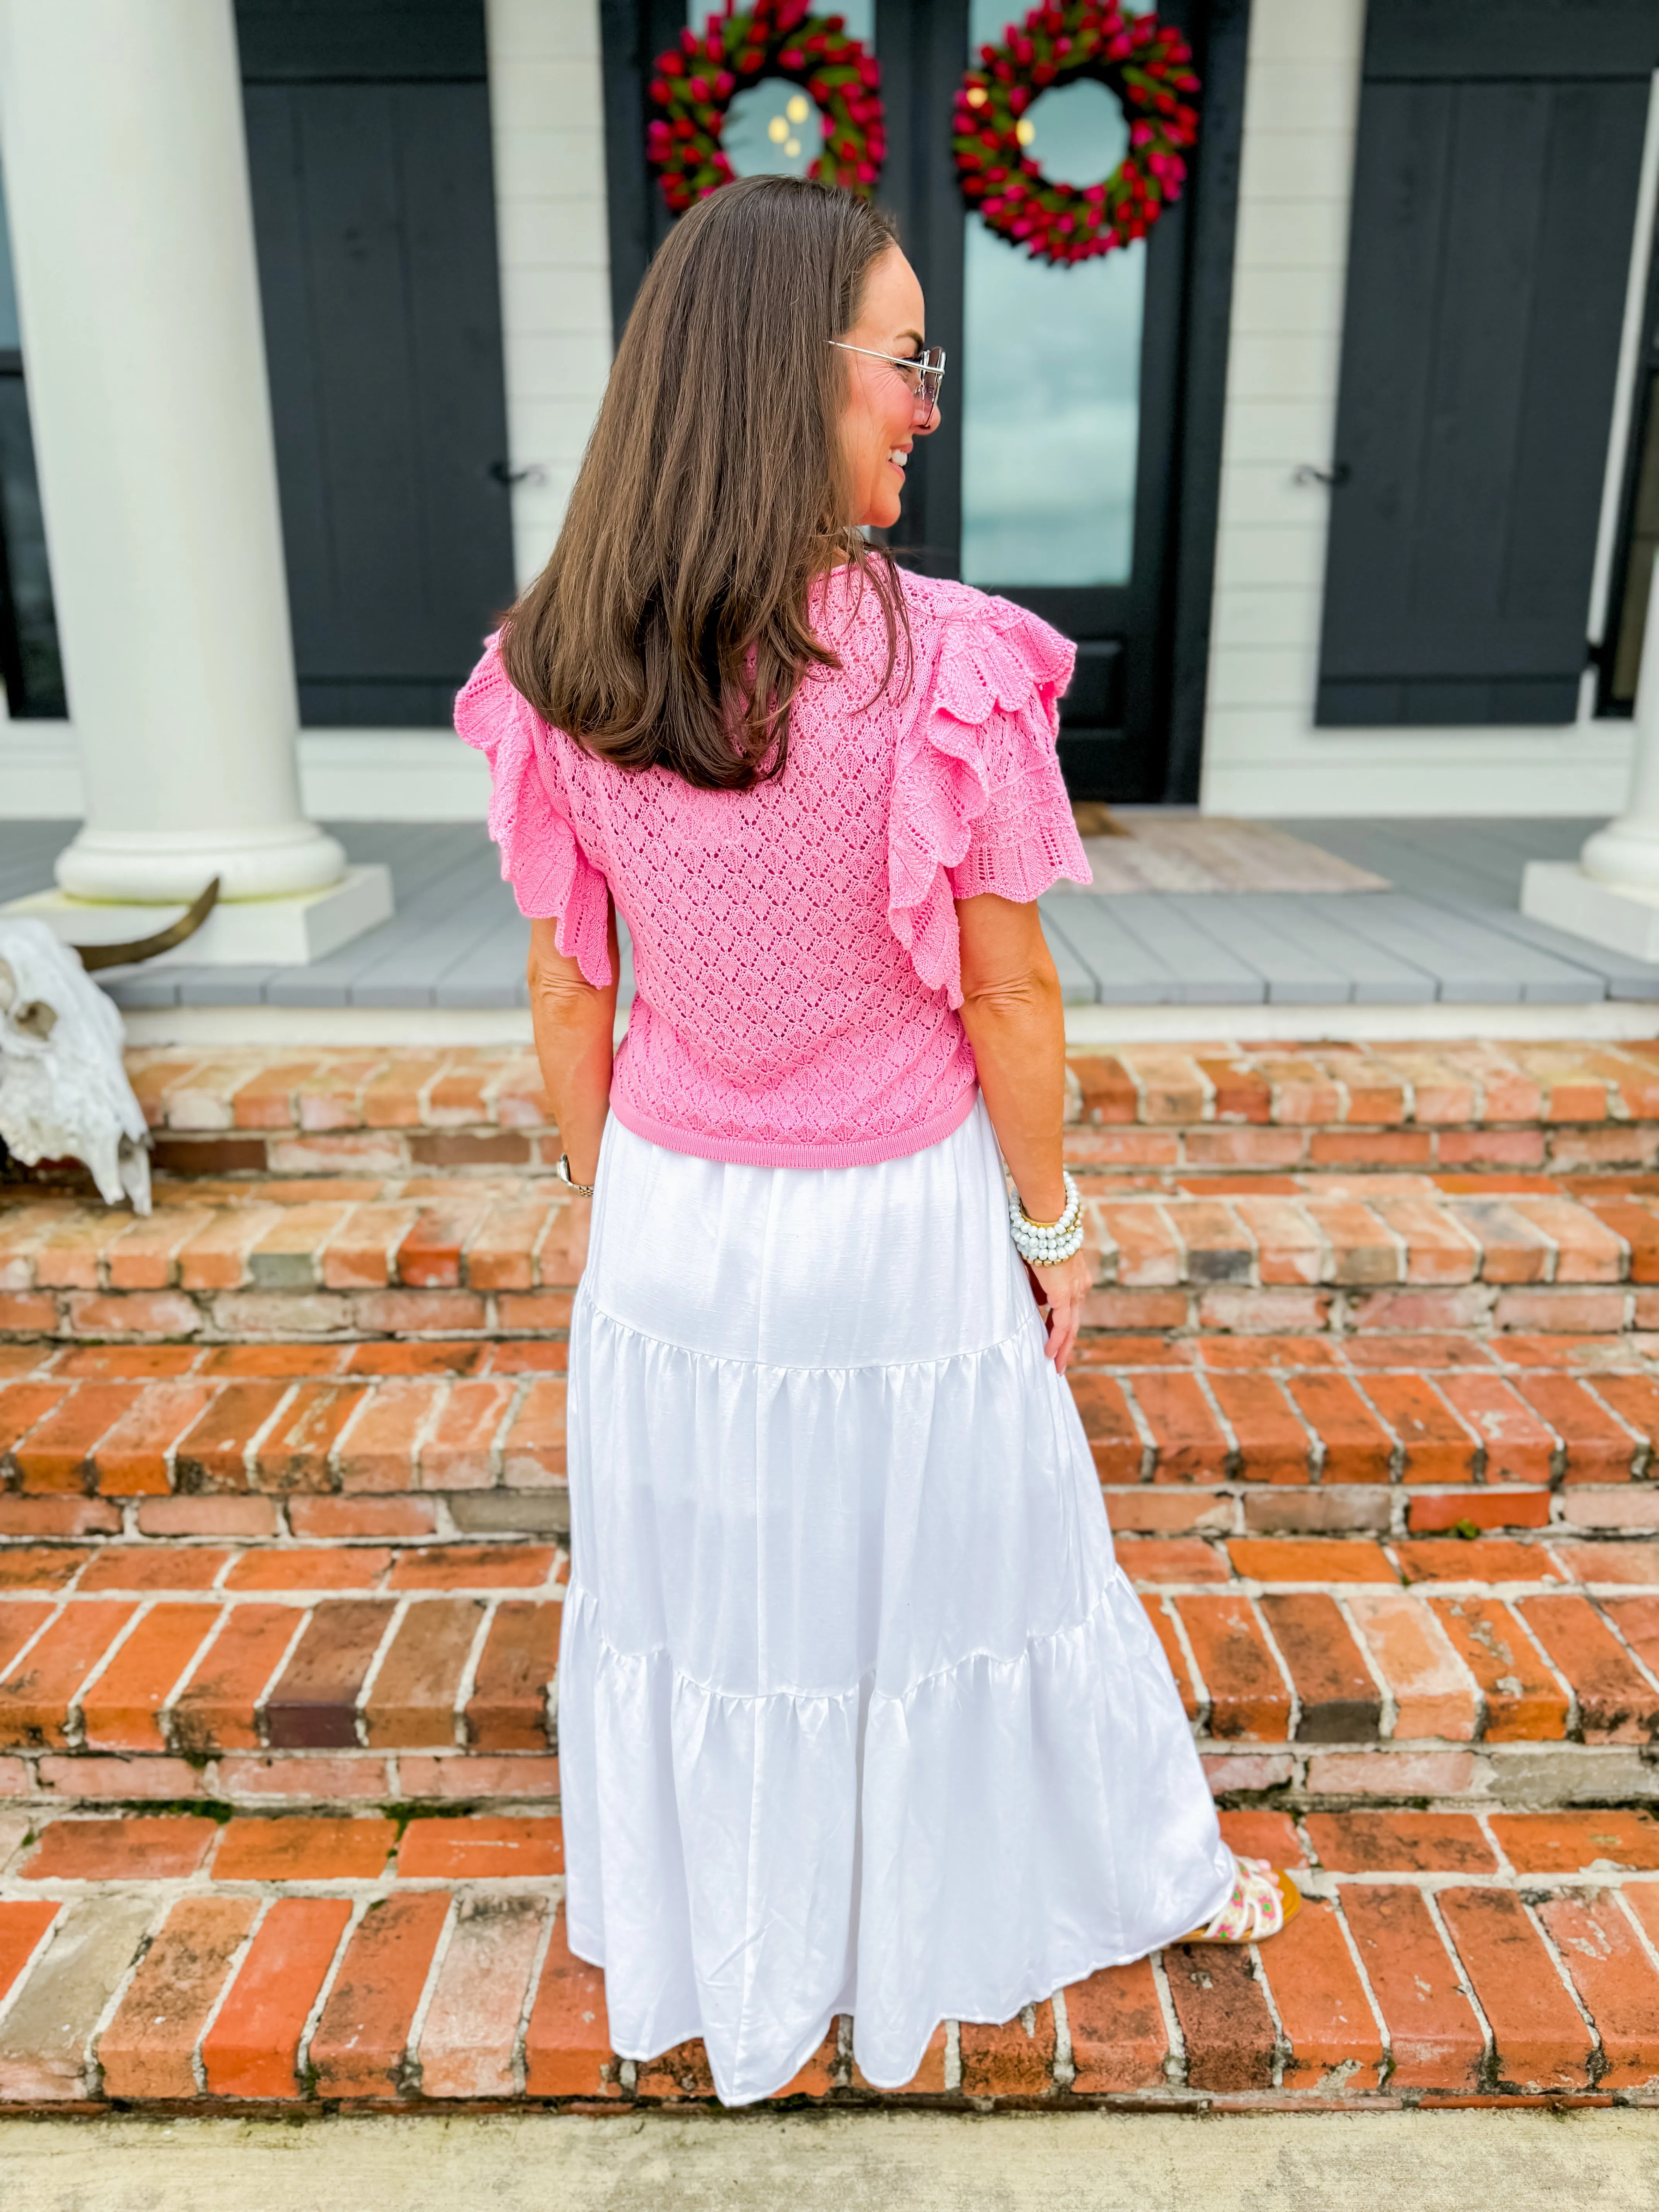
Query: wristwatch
pixel 562 1171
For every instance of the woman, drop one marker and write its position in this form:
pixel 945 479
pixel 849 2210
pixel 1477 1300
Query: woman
pixel 856 1712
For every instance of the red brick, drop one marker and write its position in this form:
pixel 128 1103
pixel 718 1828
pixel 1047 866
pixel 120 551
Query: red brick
pixel 116 1779
pixel 1474 1559
pixel 1639 1230
pixel 39 1567
pixel 292 1849
pixel 1598 1448
pixel 313 1705
pixel 1158 1611
pixel 412 1704
pixel 1616 1703
pixel 135 1362
pixel 1109 1426
pixel 36 1694
pixel 58 1453
pixel 1437 1446
pixel 478 1847
pixel 1118 2040
pixel 1309 1559
pixel 214 1454
pixel 1170 1559
pixel 1524 1704
pixel 1274 1445
pixel 378 1451
pixel 146 2050
pixel 459 1776
pixel 152 1567
pixel 1010 2061
pixel 567 2048
pixel 1595 1563
pixel 1541 2042
pixel 1635 1398
pixel 207 1516
pixel 1321 2003
pixel 1400 1843
pixel 1434 2037
pixel 471 2028
pixel 1517 1446
pixel 136 1459
pixel 310 1567
pixel 58 1517
pixel 1615 1981
pixel 214 1711
pixel 1143 1511
pixel 1340 1701
pixel 508 1711
pixel 1432 1512
pixel 1248 1696
pixel 533 1452
pixel 461 1450
pixel 295 1453
pixel 252 2048
pixel 22 1407
pixel 1573 1842
pixel 513 1566
pixel 362 1516
pixel 1256 1833
pixel 1635 1618
pixel 679 2073
pixel 1357 1448
pixel 1224 2020
pixel 119 1711
pixel 22 1923
pixel 143 1847
pixel 358 2048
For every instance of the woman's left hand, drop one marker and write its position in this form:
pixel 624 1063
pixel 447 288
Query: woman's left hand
pixel 1064 1289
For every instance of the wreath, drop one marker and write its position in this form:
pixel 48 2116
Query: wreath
pixel 692 87
pixel 1144 62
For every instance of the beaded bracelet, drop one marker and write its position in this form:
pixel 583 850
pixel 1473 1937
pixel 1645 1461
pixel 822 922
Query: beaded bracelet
pixel 1046 1243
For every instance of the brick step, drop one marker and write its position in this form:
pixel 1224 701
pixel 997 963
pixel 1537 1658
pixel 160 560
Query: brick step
pixel 471 1255
pixel 1569 1107
pixel 307 1963
pixel 1517 1669
pixel 1393 1435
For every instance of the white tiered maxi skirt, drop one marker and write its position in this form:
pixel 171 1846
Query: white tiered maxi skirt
pixel 857 1712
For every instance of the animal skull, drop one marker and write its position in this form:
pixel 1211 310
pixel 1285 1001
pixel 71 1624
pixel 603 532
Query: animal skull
pixel 63 1091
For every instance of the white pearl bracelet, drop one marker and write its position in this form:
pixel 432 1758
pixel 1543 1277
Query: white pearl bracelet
pixel 1045 1244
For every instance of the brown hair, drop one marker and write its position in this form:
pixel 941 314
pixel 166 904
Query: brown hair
pixel 670 627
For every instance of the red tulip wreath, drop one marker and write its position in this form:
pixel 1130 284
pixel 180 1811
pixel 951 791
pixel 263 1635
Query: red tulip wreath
pixel 1145 63
pixel 693 84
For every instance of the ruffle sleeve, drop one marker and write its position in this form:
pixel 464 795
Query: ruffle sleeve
pixel 551 876
pixel 979 803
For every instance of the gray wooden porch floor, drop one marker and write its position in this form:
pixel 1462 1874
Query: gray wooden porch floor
pixel 1449 930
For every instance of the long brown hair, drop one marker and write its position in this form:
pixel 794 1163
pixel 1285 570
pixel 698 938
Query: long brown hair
pixel 670 628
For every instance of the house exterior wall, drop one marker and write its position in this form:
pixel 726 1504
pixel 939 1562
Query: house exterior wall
pixel 1262 755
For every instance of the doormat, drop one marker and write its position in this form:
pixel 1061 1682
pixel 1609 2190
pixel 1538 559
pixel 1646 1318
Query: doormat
pixel 1155 850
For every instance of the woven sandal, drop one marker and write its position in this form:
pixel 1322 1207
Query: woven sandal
pixel 1263 1898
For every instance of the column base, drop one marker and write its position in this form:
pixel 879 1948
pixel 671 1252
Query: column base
pixel 290 932
pixel 1622 917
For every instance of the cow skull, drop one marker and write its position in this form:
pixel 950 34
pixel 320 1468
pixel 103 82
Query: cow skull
pixel 63 1091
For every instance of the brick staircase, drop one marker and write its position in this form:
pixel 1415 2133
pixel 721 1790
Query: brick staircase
pixel 1370 1387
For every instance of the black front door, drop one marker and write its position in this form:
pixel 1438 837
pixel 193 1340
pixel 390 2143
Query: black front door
pixel 1075 467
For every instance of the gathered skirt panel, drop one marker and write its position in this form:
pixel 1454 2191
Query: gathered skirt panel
pixel 856 1710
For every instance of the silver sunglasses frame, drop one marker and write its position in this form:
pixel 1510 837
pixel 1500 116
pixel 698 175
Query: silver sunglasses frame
pixel 931 371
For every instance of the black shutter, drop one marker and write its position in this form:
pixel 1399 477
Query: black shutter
pixel 1493 211
pixel 373 199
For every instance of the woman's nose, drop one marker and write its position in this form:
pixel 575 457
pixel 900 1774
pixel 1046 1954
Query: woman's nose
pixel 927 430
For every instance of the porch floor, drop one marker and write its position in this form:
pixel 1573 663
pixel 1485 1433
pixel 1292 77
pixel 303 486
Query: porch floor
pixel 1449 931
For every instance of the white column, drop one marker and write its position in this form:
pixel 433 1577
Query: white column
pixel 1611 895
pixel 132 234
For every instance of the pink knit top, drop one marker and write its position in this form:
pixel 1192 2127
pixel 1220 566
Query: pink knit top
pixel 796 959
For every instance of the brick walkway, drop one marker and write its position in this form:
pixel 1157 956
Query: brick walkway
pixel 1371 1377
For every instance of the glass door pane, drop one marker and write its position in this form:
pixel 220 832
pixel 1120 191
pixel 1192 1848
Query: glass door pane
pixel 1050 382
pixel 772 128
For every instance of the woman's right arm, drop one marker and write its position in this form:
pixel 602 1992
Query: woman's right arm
pixel 574 1023
pixel 1015 1019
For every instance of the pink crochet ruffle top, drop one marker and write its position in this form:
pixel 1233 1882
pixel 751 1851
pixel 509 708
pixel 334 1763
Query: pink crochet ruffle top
pixel 796 959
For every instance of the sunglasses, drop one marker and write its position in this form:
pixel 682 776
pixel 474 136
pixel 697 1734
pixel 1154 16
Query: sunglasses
pixel 924 373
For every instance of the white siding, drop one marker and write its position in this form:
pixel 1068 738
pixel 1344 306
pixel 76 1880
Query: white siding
pixel 547 119
pixel 1262 752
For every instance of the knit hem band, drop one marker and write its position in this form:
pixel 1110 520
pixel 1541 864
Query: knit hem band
pixel 865 1152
